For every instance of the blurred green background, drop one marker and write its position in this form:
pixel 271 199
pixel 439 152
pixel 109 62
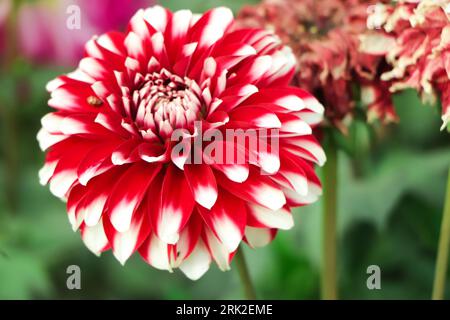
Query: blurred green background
pixel 391 192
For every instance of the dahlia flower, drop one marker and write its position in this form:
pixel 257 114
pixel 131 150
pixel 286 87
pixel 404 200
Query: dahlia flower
pixel 136 97
pixel 43 34
pixel 416 35
pixel 325 38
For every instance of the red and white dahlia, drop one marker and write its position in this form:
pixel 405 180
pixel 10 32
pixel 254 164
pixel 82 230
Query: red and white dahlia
pixel 416 46
pixel 137 96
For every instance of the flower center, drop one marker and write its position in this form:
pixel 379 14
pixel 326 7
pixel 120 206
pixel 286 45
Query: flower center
pixel 165 102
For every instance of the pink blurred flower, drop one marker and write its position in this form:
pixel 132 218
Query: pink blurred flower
pixel 325 38
pixel 417 47
pixel 5 8
pixel 45 37
pixel 108 15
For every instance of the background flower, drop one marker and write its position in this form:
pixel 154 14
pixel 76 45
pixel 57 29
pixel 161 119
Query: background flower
pixel 5 7
pixel 45 37
pixel 110 151
pixel 325 39
pixel 418 38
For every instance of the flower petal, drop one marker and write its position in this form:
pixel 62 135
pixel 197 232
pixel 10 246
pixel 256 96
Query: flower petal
pixel 176 206
pixel 203 184
pixel 128 192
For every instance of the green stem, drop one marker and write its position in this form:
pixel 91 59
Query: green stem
pixel 442 256
pixel 329 291
pixel 244 275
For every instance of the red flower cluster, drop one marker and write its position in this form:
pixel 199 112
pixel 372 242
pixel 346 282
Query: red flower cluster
pixel 417 46
pixel 110 146
pixel 325 37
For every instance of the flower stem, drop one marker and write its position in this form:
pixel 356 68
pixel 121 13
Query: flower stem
pixel 244 275
pixel 443 248
pixel 329 291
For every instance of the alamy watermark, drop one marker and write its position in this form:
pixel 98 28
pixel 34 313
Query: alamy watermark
pixel 73 21
pixel 73 281
pixel 374 280
pixel 228 146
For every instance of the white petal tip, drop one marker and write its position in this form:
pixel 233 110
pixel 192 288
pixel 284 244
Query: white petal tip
pixel 121 260
pixel 445 121
pixel 197 264
pixel 169 238
pixel 207 199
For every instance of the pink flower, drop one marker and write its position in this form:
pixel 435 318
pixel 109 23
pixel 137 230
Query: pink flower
pixel 108 15
pixel 45 37
pixel 416 35
pixel 111 150
pixel 325 38
pixel 5 8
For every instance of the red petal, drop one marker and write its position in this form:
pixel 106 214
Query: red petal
pixel 203 184
pixel 177 204
pixel 124 244
pixel 256 189
pixel 128 193
pixel 156 253
pixel 227 219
